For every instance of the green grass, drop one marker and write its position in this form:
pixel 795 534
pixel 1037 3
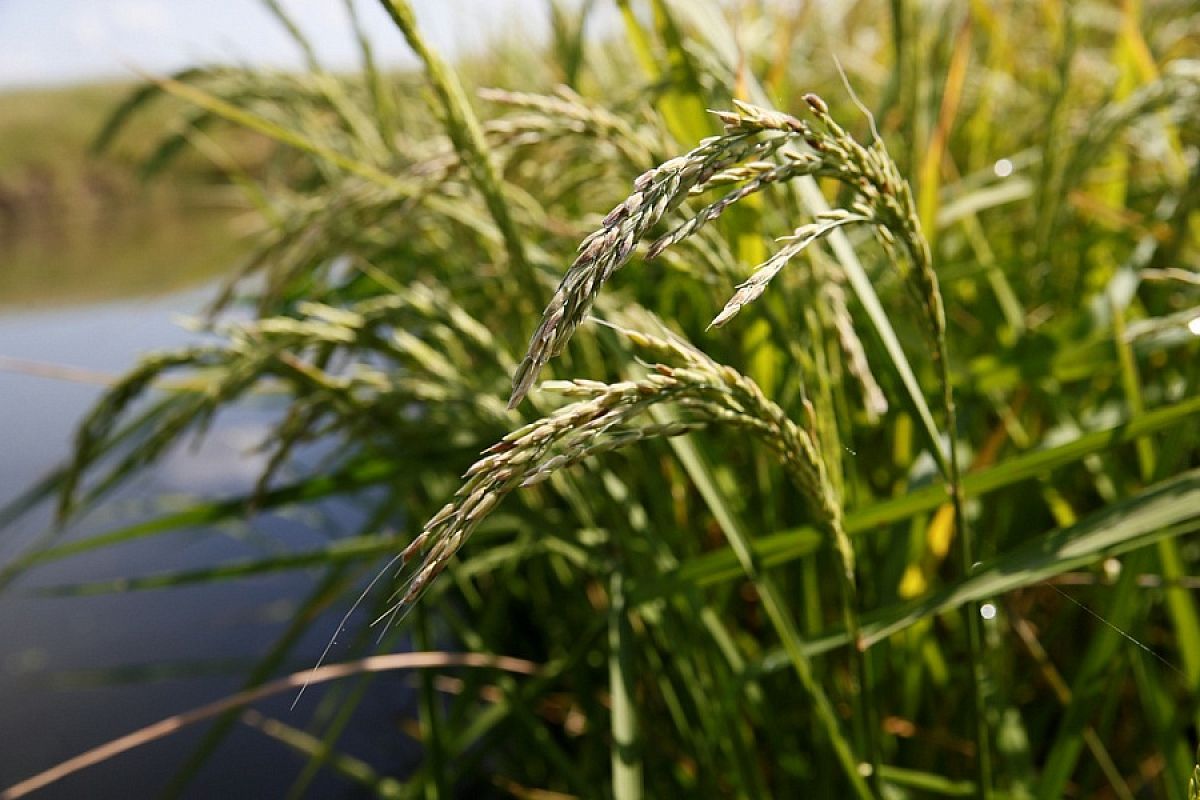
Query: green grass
pixel 713 521
pixel 52 130
pixel 53 126
pixel 65 208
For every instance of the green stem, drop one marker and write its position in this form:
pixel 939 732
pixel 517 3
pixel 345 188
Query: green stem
pixel 830 500
pixel 626 764
pixel 464 130
pixel 777 611
pixel 865 678
pixel 983 761
pixel 437 786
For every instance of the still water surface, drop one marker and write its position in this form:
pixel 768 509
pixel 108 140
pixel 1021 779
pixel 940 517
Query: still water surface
pixel 78 671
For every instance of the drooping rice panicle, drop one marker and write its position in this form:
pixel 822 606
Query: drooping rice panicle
pixel 567 106
pixel 546 118
pixel 875 402
pixel 603 419
pixel 884 200
pixel 799 241
pixel 655 193
pixel 759 179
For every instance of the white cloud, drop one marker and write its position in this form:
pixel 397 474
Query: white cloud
pixel 142 16
pixel 21 63
pixel 96 39
pixel 89 29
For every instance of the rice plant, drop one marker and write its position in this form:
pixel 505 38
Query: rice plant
pixel 849 343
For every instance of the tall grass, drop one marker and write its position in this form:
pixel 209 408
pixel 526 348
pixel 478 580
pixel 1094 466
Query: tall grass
pixel 722 527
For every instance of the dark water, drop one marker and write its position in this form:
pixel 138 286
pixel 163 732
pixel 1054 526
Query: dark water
pixel 78 671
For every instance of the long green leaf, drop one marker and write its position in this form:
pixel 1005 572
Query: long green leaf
pixel 785 546
pixel 354 477
pixel 1166 510
pixel 357 548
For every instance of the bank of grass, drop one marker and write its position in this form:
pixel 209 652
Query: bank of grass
pixel 66 209
pixel 913 523
pixel 47 153
pixel 53 126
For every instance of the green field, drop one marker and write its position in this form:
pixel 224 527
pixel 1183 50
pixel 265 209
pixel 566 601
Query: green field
pixel 53 126
pixel 79 225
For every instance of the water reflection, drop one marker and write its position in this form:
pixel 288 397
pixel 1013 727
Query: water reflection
pixel 50 260
pixel 75 671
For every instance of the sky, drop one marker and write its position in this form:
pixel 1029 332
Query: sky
pixel 45 42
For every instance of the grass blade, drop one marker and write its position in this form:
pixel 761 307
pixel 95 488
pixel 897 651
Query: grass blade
pixel 1167 509
pixel 462 126
pixel 701 474
pixel 626 763
pixel 784 546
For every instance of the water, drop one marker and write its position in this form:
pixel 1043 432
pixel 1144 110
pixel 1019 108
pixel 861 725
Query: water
pixel 78 671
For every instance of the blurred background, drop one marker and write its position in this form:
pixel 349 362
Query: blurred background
pixel 101 260
pixel 1052 151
